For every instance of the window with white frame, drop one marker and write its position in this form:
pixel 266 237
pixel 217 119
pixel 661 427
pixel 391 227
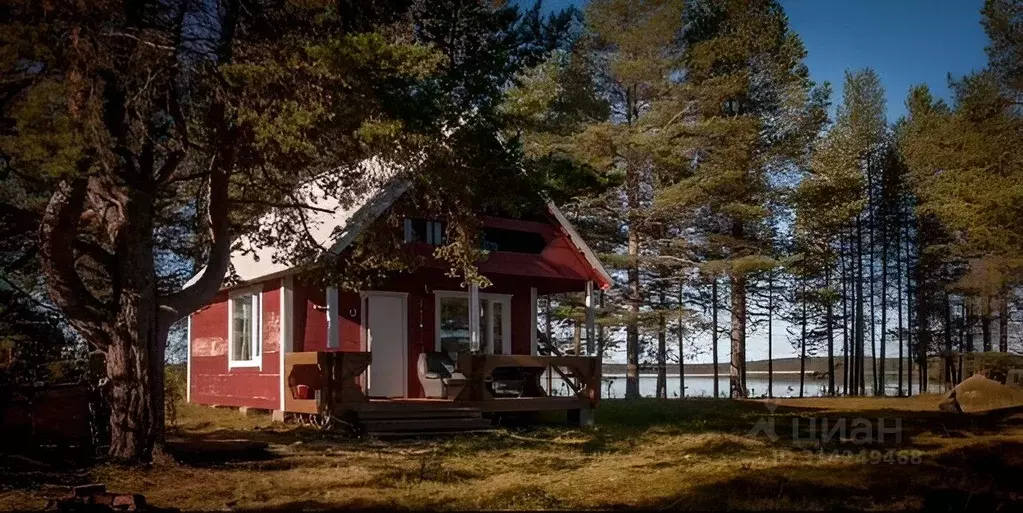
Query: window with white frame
pixel 424 230
pixel 452 321
pixel 243 329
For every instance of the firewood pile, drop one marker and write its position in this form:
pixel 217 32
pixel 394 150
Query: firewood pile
pixel 96 498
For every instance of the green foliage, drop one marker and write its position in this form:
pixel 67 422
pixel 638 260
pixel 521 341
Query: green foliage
pixel 966 170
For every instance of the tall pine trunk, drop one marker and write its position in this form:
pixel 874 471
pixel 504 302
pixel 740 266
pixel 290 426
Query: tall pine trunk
pixel 950 373
pixel 714 333
pixel 632 330
pixel 681 344
pixel 802 342
pixel 1003 322
pixel 738 359
pixel 770 333
pixel 633 185
pixel 830 333
pixel 968 323
pixel 909 313
pixel 860 327
pixel 882 365
pixel 662 349
pixel 985 323
pixel 871 228
pixel 898 300
pixel 843 258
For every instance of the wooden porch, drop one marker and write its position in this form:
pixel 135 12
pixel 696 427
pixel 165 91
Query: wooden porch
pixel 332 384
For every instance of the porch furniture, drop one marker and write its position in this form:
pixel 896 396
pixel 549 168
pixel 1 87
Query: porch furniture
pixel 438 376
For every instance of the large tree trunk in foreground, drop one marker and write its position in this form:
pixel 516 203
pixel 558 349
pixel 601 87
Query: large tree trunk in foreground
pixel 136 354
pixel 131 323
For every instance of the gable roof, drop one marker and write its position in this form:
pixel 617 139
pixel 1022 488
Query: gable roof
pixel 580 244
pixel 334 226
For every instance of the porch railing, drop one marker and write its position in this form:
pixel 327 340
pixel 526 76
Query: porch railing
pixel 327 383
pixel 320 382
pixel 484 372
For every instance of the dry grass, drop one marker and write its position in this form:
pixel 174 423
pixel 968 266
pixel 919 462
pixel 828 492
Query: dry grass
pixel 693 454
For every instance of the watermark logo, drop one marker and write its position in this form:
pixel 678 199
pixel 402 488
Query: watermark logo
pixel 850 437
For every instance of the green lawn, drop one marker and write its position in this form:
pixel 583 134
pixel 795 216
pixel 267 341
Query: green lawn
pixel 691 454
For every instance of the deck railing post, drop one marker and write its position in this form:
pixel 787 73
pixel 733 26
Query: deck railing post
pixel 474 318
pixel 325 362
pixel 590 320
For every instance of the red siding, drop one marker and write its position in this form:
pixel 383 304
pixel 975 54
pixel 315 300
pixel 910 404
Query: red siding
pixel 211 380
pixel 350 322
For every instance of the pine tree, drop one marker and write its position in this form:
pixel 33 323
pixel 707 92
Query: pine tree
pixel 747 106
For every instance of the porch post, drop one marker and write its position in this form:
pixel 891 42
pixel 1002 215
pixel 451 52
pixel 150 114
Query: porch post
pixel 590 342
pixel 287 345
pixel 474 318
pixel 532 321
pixel 333 334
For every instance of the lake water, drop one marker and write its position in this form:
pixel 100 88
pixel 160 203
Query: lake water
pixel 785 385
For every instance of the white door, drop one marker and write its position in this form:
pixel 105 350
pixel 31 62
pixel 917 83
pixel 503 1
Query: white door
pixel 386 334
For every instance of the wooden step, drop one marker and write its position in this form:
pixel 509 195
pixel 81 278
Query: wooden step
pixel 433 413
pixel 421 425
pixel 408 434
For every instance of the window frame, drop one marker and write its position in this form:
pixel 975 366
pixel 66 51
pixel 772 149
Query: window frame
pixel 256 359
pixel 487 341
pixel 434 231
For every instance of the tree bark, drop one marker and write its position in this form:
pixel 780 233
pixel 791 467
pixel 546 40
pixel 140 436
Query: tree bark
pixel 985 324
pixel 802 342
pixel 632 330
pixel 714 332
pixel 845 315
pixel 950 373
pixel 881 366
pixel 738 360
pixel 681 345
pixel 662 361
pixel 131 327
pixel 861 386
pixel 909 314
pixel 898 301
pixel 770 333
pixel 1003 322
pixel 830 334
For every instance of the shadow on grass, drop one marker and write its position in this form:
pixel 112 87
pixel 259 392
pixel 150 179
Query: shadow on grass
pixel 972 478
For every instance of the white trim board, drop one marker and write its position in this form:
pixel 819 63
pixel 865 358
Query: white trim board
pixel 287 319
pixel 188 360
pixel 256 359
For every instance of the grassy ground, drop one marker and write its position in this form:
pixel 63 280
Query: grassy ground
pixel 692 454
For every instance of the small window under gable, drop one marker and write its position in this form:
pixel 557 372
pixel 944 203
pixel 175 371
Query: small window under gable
pixel 243 328
pixel 424 231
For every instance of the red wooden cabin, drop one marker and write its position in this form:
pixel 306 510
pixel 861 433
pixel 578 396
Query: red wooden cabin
pixel 274 340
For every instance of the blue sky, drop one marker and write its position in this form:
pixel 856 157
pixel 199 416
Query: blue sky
pixel 906 41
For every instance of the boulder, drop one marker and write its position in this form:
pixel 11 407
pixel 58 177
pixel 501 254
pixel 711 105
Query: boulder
pixel 978 393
